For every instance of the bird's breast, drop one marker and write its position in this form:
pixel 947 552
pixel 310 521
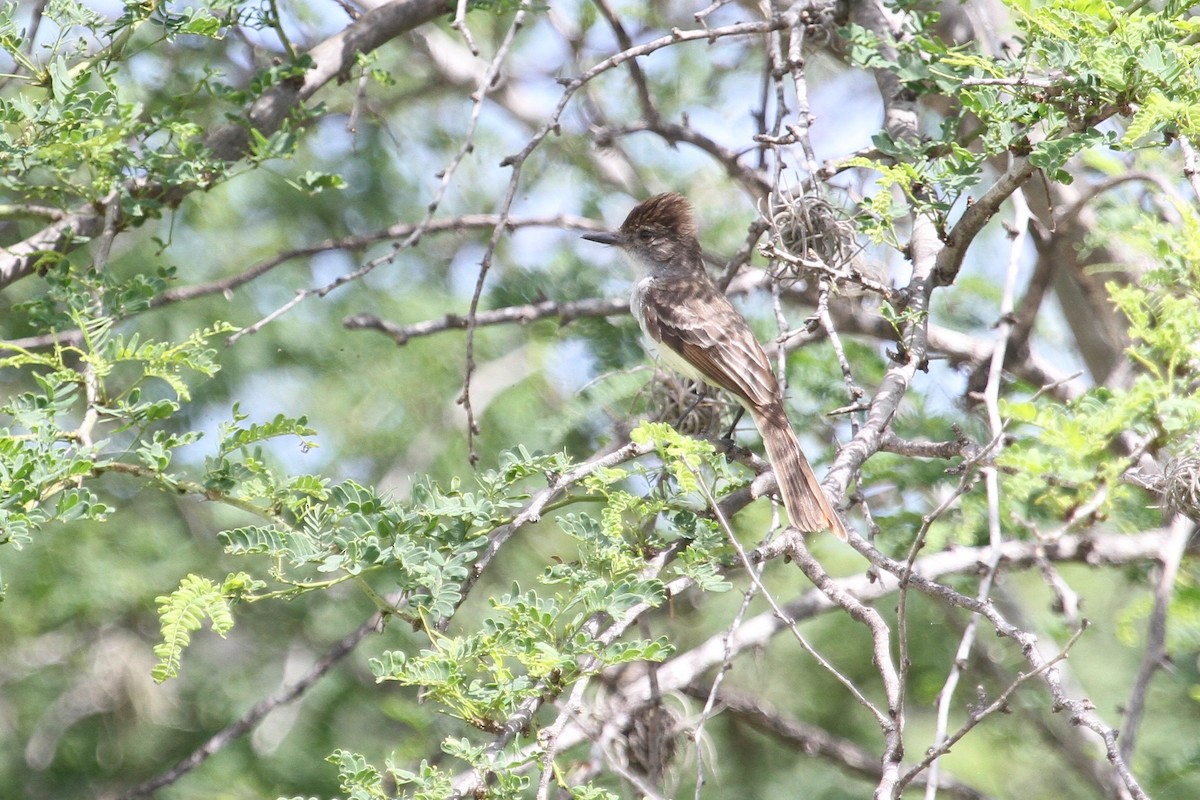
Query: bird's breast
pixel 661 353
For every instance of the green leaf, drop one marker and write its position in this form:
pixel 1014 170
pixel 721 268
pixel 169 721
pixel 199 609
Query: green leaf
pixel 316 182
pixel 182 613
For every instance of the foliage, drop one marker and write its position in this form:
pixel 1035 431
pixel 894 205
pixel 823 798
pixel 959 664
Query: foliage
pixel 1161 407
pixel 181 614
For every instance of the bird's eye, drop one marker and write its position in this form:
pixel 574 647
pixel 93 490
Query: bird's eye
pixel 645 235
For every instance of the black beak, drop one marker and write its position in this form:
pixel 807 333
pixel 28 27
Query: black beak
pixel 605 237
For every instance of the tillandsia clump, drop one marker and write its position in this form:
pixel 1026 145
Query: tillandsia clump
pixel 1181 483
pixel 809 232
pixel 691 407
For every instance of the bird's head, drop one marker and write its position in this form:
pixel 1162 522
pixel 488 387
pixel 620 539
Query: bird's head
pixel 658 233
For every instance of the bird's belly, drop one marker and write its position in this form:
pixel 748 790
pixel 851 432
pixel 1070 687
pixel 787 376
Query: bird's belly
pixel 672 360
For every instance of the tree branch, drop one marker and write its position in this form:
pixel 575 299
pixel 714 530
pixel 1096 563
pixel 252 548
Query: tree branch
pixel 522 315
pixel 1180 531
pixel 813 741
pixel 680 671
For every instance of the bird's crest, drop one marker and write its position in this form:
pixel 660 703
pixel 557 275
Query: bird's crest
pixel 670 213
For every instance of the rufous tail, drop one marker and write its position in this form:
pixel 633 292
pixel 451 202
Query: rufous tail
pixel 807 505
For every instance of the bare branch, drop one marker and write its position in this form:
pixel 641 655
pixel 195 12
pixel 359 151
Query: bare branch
pixel 685 668
pixel 485 263
pixel 711 694
pixel 404 230
pixel 756 632
pixel 979 714
pixel 991 395
pixel 523 315
pixel 30 211
pixel 459 24
pixel 1071 212
pixel 814 741
pixel 1180 531
pixel 962 447
pixel 649 110
pixel 753 181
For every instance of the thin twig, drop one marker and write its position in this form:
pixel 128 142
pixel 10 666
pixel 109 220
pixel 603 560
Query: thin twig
pixel 804 117
pixel 741 258
pixel 703 13
pixel 1069 214
pixel 962 447
pixel 521 315
pixel 403 230
pixel 813 741
pixel 1180 531
pixel 891 725
pixel 978 715
pixel 460 24
pixel 778 610
pixel 485 263
pixel 645 99
pixel 30 211
pixel 754 181
pixel 854 391
pixel 1004 329
pixel 548 736
pixel 710 699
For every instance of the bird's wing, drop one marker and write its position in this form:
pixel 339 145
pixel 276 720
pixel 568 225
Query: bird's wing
pixel 700 325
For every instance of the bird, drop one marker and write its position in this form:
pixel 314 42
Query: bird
pixel 691 327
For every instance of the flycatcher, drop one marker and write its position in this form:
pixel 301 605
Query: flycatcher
pixel 693 328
